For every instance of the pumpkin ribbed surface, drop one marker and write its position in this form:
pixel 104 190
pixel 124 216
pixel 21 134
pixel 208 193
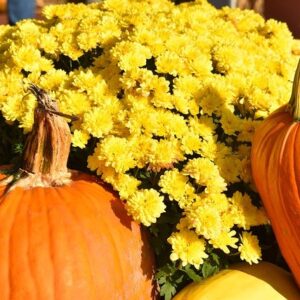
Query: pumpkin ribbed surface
pixel 275 163
pixel 276 172
pixel 71 242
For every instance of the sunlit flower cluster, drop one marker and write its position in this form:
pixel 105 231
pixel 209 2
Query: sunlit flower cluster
pixel 170 95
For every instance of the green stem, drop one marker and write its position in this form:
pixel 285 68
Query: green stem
pixel 294 103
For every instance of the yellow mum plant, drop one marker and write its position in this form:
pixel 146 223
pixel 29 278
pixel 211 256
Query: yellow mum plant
pixel 166 99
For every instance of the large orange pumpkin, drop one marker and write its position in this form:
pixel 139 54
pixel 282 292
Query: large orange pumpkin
pixel 63 235
pixel 275 160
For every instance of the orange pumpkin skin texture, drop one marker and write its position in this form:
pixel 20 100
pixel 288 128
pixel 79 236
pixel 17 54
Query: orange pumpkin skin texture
pixel 275 162
pixel 63 235
pixel 71 242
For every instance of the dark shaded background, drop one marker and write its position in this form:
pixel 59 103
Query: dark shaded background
pixel 286 11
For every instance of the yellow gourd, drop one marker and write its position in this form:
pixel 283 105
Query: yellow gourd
pixel 263 281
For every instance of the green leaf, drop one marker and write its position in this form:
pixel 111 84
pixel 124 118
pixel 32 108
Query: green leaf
pixel 192 273
pixel 215 258
pixel 208 269
pixel 167 290
pixel 166 270
pixel 18 148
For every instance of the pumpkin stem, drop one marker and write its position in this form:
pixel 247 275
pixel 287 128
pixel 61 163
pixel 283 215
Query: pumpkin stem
pixel 294 103
pixel 47 146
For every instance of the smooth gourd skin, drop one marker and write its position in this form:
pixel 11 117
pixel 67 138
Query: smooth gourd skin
pixel 275 162
pixel 264 281
pixel 71 242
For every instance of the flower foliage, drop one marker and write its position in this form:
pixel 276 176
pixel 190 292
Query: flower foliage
pixel 169 96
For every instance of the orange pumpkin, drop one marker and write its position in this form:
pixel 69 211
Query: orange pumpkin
pixel 63 235
pixel 275 160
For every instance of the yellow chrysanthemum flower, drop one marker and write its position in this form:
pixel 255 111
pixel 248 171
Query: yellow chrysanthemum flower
pixel 203 126
pixel 145 206
pixel 126 185
pixel 224 240
pixel 80 138
pixel 187 247
pixel 48 43
pixel 244 213
pixel 28 58
pixel 206 174
pixel 53 80
pixel 177 187
pixel 230 168
pixel 131 54
pixel 205 218
pixel 76 103
pixel 191 142
pixel 97 122
pixel 249 248
pixel 117 153
pixel 164 154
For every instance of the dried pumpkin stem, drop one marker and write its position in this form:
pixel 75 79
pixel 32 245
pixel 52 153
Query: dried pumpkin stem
pixel 294 103
pixel 47 146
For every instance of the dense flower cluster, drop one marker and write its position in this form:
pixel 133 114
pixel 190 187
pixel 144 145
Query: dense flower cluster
pixel 174 91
